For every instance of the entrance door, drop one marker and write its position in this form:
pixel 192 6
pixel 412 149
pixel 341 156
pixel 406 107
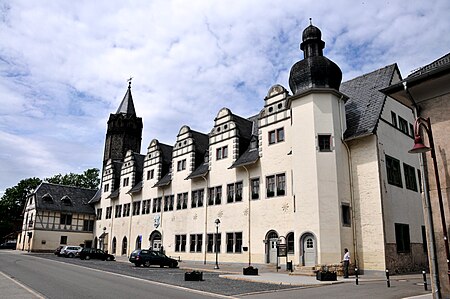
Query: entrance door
pixel 309 251
pixel 273 250
pixel 156 246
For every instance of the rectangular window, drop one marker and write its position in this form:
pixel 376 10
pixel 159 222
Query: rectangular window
pixel 177 243
pixel 394 119
pixel 65 219
pixel 126 182
pixel 106 188
pixel 403 125
pixel 281 184
pixel 157 205
pixel 411 130
pixel 324 142
pixel 118 211
pixel 181 165
pixel 211 242
pixel 63 240
pixel 290 242
pixel 168 203
pixel 88 225
pixel 394 174
pixel 144 207
pixel 276 185
pixel 150 174
pixel 136 208
pixel 182 199
pixel 99 214
pixel 402 238
pixel 419 175
pixel 234 242
pixel 108 212
pixel 218 191
pixel 196 243
pixel 234 192
pixel 183 243
pixel 346 216
pixel 410 177
pixel 126 210
pixel 255 188
pixel 222 153
pixel 230 193
pixel 270 186
pixel 276 136
pixel 197 198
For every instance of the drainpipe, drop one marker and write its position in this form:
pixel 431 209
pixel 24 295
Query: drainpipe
pixel 161 217
pixel 434 270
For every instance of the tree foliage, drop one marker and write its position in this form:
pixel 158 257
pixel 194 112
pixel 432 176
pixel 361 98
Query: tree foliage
pixel 13 201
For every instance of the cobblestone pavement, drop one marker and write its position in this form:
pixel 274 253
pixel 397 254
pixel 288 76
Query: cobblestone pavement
pixel 211 280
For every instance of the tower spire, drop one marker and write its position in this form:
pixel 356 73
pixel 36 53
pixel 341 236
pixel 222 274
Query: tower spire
pixel 127 105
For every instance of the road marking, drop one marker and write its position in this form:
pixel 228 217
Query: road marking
pixel 33 292
pixel 141 279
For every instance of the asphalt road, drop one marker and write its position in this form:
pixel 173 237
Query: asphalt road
pixel 57 277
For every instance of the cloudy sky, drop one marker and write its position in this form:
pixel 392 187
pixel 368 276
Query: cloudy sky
pixel 64 65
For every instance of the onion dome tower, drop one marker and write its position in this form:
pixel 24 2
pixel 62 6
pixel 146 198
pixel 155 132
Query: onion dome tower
pixel 315 70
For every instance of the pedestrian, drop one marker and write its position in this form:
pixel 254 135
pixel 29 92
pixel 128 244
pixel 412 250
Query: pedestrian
pixel 346 262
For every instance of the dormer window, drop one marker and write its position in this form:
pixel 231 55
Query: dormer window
pixel 222 152
pixel 47 198
pixel 66 200
pixel 253 143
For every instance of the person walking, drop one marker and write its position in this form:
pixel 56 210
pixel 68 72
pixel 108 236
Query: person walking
pixel 346 262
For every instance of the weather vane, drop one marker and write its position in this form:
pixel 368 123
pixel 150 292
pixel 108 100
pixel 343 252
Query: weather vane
pixel 129 81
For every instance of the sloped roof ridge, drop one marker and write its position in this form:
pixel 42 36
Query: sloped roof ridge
pixel 61 185
pixel 444 60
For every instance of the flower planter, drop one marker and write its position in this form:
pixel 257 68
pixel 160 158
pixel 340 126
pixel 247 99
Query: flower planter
pixel 250 271
pixel 326 276
pixel 193 276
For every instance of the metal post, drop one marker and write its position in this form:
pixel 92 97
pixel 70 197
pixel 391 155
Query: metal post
pixel 217 249
pixel 387 279
pixel 357 277
pixel 424 280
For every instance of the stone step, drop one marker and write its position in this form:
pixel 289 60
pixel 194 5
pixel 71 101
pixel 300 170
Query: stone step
pixel 304 270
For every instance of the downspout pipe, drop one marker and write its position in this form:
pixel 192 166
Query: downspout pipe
pixel 249 217
pixel 206 219
pixel 434 270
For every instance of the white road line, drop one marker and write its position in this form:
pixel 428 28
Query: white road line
pixel 33 292
pixel 141 279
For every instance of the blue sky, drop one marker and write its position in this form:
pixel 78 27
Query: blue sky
pixel 64 65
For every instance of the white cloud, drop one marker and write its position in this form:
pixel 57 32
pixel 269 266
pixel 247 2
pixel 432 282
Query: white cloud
pixel 64 65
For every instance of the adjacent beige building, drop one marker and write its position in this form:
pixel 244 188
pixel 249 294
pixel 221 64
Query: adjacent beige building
pixel 321 168
pixel 57 215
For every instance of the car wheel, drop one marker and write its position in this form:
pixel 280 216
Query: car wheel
pixel 87 257
pixel 71 255
pixel 147 264
pixel 137 264
pixel 108 258
pixel 161 266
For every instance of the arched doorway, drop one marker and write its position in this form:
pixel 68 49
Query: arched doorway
pixel 114 245
pixel 155 240
pixel 308 247
pixel 138 242
pixel 271 247
pixel 124 246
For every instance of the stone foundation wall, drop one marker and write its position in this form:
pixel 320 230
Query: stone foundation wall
pixel 414 261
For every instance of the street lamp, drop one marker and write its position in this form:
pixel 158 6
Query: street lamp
pixel 217 222
pixel 419 148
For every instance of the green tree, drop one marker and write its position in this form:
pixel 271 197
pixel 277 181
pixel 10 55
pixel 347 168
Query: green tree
pixel 88 179
pixel 12 204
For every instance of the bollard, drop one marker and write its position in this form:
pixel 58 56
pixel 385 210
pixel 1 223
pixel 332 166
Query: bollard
pixel 387 279
pixel 425 281
pixel 356 275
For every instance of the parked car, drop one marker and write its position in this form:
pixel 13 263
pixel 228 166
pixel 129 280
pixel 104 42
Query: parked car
pixel 58 250
pixel 149 257
pixel 69 251
pixel 8 245
pixel 92 253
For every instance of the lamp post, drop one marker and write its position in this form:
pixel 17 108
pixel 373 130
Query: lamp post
pixel 419 148
pixel 217 222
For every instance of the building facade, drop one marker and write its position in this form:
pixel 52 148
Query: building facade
pixel 57 215
pixel 319 169
pixel 427 91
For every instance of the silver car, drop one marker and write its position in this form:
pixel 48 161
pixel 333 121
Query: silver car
pixel 69 251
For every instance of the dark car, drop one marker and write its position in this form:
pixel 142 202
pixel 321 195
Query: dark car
pixel 92 253
pixel 149 257
pixel 8 245
pixel 58 250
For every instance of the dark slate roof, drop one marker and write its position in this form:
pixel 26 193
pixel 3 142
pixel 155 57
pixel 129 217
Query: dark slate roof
pixel 200 171
pixel 250 156
pixel 255 127
pixel 127 105
pixel 79 198
pixel 136 188
pixel 245 126
pixel 97 197
pixel 164 181
pixel 166 151
pixel 115 193
pixel 365 103
pixel 438 63
pixel 201 141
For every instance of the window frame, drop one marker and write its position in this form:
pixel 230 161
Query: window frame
pixel 393 171
pixel 409 173
pixel 402 238
pixel 324 143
